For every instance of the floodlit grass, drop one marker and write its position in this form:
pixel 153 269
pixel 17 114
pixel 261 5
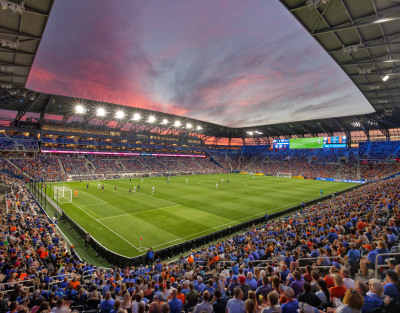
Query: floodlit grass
pixel 180 211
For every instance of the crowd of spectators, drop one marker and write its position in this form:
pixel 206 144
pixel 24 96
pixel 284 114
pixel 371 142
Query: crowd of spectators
pixel 73 164
pixel 305 261
pixel 46 167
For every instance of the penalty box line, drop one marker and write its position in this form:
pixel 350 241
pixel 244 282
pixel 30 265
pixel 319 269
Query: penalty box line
pixel 144 211
pixel 106 227
pixel 258 214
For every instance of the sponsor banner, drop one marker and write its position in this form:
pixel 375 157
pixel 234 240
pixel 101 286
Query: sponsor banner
pixel 242 172
pixel 342 180
pixel 123 153
pixel 299 177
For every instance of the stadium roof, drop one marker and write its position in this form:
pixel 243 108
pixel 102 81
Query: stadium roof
pixel 362 36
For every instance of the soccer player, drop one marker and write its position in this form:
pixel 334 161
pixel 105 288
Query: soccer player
pixel 76 193
pixel 138 187
pixel 227 181
pixel 102 188
pixel 130 190
pixel 87 186
pixel 141 180
pixel 216 186
pixel 222 180
pixel 130 178
pixel 152 190
pixel 134 188
pixel 187 181
pixel 115 188
pixel 321 192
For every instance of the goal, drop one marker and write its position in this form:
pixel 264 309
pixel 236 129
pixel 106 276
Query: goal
pixel 284 175
pixel 62 194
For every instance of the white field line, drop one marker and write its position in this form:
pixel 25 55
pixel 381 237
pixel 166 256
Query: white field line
pixel 194 233
pixel 248 217
pixel 102 201
pixel 143 194
pixel 105 226
pixel 144 211
pixel 94 204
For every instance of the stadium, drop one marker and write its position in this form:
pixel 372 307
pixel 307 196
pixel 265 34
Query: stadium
pixel 227 157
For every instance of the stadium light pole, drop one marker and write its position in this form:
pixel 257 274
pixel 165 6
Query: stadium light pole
pixel 119 114
pixel 101 112
pixel 136 117
pixel 79 109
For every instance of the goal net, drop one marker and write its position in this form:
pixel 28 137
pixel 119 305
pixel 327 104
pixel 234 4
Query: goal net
pixel 285 175
pixel 62 194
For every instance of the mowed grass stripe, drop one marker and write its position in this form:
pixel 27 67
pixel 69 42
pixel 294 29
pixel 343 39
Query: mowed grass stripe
pixel 201 208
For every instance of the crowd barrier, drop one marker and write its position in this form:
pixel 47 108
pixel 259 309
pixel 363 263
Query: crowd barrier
pixel 178 249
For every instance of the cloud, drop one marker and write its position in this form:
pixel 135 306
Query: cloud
pixel 229 62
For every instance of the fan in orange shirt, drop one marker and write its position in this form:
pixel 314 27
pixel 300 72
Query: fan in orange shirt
pixel 338 290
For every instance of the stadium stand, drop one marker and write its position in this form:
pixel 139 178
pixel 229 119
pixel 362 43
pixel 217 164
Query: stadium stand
pixel 310 256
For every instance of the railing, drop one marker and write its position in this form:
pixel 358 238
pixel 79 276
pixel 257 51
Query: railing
pixel 318 258
pixel 377 266
pixel 4 285
pixel 59 231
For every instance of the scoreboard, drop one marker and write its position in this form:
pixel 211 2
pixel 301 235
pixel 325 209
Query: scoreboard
pixel 311 143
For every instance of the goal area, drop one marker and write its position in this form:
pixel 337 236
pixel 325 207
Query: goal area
pixel 284 175
pixel 62 194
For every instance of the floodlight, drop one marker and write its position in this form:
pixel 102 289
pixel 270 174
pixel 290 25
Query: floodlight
pixel 4 5
pixel 79 109
pixel 136 117
pixel 119 114
pixel 199 128
pixel 101 112
pixel 164 121
pixel 250 133
pixel 151 119
pixel 189 126
pixel 385 78
pixel 177 123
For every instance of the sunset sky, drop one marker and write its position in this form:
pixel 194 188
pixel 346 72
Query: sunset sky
pixel 231 62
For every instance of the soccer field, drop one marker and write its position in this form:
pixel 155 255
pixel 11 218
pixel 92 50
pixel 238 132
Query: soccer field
pixel 180 211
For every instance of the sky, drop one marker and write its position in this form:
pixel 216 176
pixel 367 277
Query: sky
pixel 231 62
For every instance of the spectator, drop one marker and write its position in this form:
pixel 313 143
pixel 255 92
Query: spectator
pixel 291 304
pixel 219 304
pixel 236 304
pixel 308 296
pixel 392 288
pixel 338 291
pixel 205 306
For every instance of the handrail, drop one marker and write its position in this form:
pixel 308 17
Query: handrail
pixel 377 266
pixel 19 283
pixel 319 257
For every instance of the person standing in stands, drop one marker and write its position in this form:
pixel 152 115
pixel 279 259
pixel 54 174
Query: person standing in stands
pixel 87 240
pixel 150 256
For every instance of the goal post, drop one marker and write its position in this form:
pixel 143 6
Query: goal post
pixel 62 194
pixel 284 175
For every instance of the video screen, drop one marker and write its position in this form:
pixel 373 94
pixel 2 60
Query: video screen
pixel 307 143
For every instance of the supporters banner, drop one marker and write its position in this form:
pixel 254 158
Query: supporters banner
pixel 342 180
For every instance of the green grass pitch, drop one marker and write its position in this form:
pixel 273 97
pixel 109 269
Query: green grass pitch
pixel 306 143
pixel 181 211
